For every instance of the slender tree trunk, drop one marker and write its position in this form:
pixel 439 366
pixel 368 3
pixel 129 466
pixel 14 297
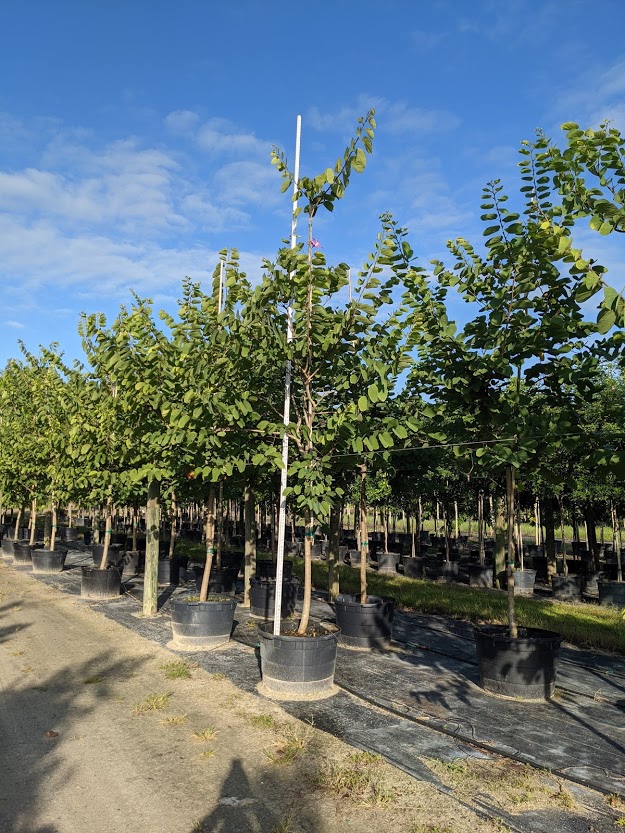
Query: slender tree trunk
pixel 210 543
pixel 220 524
pixel 550 535
pixel 364 535
pixel 480 528
pixel 437 518
pixel 510 559
pixel 617 543
pixel 47 529
pixel 446 532
pixel 591 536
pixel 152 522
pixel 172 532
pixel 249 513
pixel 499 523
pixel 16 529
pixel 108 528
pixel 308 542
pixel 419 522
pixel 457 521
pixel 565 568
pixel 135 524
pixel 53 534
pixel 33 521
pixel 385 522
pixel 333 552
pixel 537 521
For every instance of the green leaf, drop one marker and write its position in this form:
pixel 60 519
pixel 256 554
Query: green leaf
pixel 359 161
pixel 606 320
pixel 372 392
pixel 605 228
pixel 363 403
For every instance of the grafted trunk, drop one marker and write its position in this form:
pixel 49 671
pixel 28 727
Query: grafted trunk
pixel 510 477
pixel 499 523
pixel 364 535
pixel 550 534
pixel 108 529
pixel 33 521
pixel 308 541
pixel 210 543
pixel 152 520
pixel 249 513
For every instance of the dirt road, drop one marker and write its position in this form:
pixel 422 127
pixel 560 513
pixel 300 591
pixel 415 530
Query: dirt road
pixel 102 731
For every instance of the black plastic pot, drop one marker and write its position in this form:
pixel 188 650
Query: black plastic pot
pixel 267 569
pixel 199 626
pixel 612 593
pixel 263 597
pixel 413 567
pixel 7 549
pixel 113 559
pixel 355 557
pixel 447 570
pixel 100 584
pixel 567 588
pixel 524 582
pixel 22 553
pixel 233 560
pixel 169 571
pixel 364 625
pixel 222 580
pixel 48 561
pixel 295 667
pixel 539 563
pixel 69 533
pixel 387 562
pixel 524 667
pixel 133 562
pixel 591 582
pixel 480 576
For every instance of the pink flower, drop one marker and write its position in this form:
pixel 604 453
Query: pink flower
pixel 315 244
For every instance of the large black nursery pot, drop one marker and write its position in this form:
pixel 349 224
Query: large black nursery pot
pixel 114 557
pixel 22 554
pixel 133 562
pixel 612 593
pixel 100 584
pixel 366 625
pixel 297 667
pixel 523 668
pixel 48 561
pixel 567 588
pixel 263 597
pixel 414 567
pixel 267 569
pixel 447 570
pixel 480 576
pixel 222 580
pixel 388 561
pixel 7 548
pixel 169 570
pixel 200 626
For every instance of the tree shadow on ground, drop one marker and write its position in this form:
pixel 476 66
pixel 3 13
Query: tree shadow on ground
pixel 248 805
pixel 35 722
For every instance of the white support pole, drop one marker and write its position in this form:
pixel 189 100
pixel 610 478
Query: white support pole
pixel 277 610
pixel 221 287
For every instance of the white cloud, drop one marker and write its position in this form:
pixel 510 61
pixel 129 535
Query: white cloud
pixel 248 183
pixel 17 325
pixel 394 117
pixel 182 121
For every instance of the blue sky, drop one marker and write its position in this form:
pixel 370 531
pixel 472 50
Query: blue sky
pixel 135 136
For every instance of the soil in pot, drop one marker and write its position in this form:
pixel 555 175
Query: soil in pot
pixel 364 625
pixel 297 667
pixel 48 561
pixel 567 588
pixel 263 596
pixel 612 593
pixel 480 576
pixel 523 668
pixel 100 584
pixel 201 626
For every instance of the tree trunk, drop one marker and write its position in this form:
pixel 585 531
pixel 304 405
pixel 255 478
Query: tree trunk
pixel 152 521
pixel 550 535
pixel 249 513
pixel 510 560
pixel 53 533
pixel 617 543
pixel 565 568
pixel 47 529
pixel 210 543
pixel 220 524
pixel 591 535
pixel 385 522
pixel 446 531
pixel 364 535
pixel 457 521
pixel 172 527
pixel 308 542
pixel 33 521
pixel 108 528
pixel 333 553
pixel 480 528
pixel 16 529
pixel 499 524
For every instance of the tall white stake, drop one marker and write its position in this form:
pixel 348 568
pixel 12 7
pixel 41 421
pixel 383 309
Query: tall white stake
pixel 277 610
pixel 221 286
